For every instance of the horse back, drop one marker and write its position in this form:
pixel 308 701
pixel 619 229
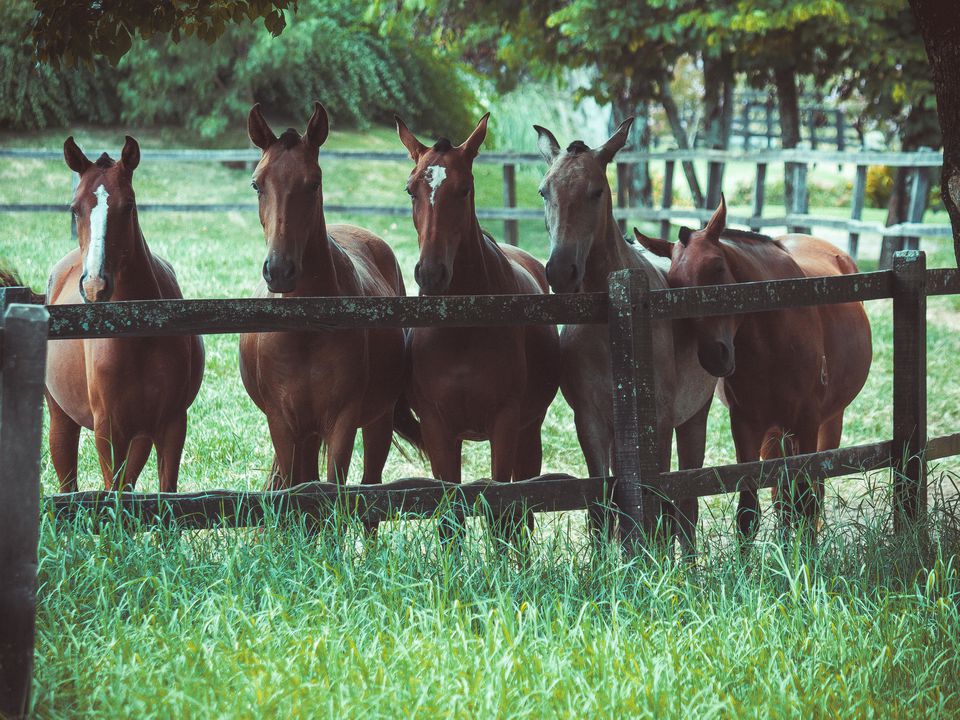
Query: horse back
pixel 378 273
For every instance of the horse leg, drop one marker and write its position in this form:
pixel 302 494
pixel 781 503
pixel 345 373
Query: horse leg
pixel 137 457
pixel 529 460
pixel 169 452
pixel 284 454
pixel 112 449
pixel 444 451
pixel 376 447
pixel 691 447
pixel 594 438
pixel 504 442
pixel 64 439
pixel 747 440
pixel 340 451
pixel 808 498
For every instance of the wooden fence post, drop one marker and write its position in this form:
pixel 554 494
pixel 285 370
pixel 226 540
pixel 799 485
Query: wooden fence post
pixel 667 199
pixel 510 232
pixel 798 202
pixel 919 189
pixel 623 192
pixel 909 388
pixel 841 130
pixel 856 211
pixel 746 126
pixel 23 355
pixel 634 407
pixel 759 187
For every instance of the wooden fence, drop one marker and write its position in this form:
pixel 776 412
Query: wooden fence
pixel 629 308
pixel 796 162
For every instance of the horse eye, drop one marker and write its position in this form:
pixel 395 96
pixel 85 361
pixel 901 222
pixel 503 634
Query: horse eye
pixel 598 194
pixel 254 185
pixel 409 190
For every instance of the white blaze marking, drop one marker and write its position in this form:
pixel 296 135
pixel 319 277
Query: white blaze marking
pixel 436 174
pixel 98 233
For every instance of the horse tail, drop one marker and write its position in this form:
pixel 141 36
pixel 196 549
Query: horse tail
pixel 406 425
pixel 11 278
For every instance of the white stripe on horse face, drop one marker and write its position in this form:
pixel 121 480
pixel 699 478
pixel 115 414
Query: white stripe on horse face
pixel 436 174
pixel 98 233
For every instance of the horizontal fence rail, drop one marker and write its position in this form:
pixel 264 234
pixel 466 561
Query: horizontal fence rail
pixel 795 161
pixel 418 496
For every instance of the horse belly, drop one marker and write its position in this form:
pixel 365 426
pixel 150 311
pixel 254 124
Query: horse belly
pixel 66 378
pixel 467 378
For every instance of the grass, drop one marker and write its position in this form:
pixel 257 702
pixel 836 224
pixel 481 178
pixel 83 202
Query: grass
pixel 245 624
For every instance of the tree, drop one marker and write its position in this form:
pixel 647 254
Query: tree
pixel 940 25
pixel 69 32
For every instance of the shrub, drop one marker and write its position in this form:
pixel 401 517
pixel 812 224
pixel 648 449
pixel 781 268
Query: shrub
pixel 879 185
pixel 36 96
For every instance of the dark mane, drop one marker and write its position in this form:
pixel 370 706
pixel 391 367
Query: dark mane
pixel 105 161
pixel 443 145
pixel 289 139
pixel 733 234
pixel 577 147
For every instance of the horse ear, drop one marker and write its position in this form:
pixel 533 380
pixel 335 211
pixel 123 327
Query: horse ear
pixel 655 245
pixel 130 155
pixel 409 140
pixel 547 144
pixel 616 142
pixel 318 128
pixel 260 133
pixel 471 146
pixel 719 220
pixel 684 235
pixel 76 160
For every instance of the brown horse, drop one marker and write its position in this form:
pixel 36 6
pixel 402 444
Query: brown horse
pixel 586 246
pixel 787 375
pixel 133 392
pixel 319 387
pixel 492 383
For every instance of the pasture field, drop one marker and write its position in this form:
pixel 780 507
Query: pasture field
pixel 278 623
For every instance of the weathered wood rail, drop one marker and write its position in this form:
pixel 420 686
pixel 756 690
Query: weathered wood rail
pixel 795 217
pixel 633 497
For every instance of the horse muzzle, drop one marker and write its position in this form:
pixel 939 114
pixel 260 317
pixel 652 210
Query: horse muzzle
pixel 95 288
pixel 433 278
pixel 717 358
pixel 280 275
pixel 563 276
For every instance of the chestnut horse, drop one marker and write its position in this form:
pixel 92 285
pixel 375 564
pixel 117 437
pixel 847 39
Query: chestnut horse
pixel 486 383
pixel 133 392
pixel 787 375
pixel 318 388
pixel 585 247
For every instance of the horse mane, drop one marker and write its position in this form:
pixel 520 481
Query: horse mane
pixel 443 145
pixel 105 161
pixel 577 147
pixel 289 139
pixel 734 234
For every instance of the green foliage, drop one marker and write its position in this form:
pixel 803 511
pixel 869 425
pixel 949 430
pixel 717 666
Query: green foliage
pixel 33 95
pixel 78 32
pixel 328 53
pixel 879 185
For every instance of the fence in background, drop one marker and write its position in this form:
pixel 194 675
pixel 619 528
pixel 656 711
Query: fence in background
pixel 629 309
pixel 796 216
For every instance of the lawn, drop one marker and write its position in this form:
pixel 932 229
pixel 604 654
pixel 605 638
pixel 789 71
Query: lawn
pixel 244 624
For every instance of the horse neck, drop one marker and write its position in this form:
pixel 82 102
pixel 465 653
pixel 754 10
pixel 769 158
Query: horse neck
pixel 135 277
pixel 479 266
pixel 758 261
pixel 609 252
pixel 324 265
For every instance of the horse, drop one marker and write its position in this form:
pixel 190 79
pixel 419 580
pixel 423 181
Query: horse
pixel 585 247
pixel 480 383
pixel 318 388
pixel 786 375
pixel 132 392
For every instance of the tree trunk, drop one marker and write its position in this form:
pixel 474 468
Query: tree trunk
pixel 683 140
pixel 940 25
pixel 636 176
pixel 718 82
pixel 896 213
pixel 788 103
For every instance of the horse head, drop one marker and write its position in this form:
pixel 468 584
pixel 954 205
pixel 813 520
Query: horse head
pixel 105 208
pixel 441 190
